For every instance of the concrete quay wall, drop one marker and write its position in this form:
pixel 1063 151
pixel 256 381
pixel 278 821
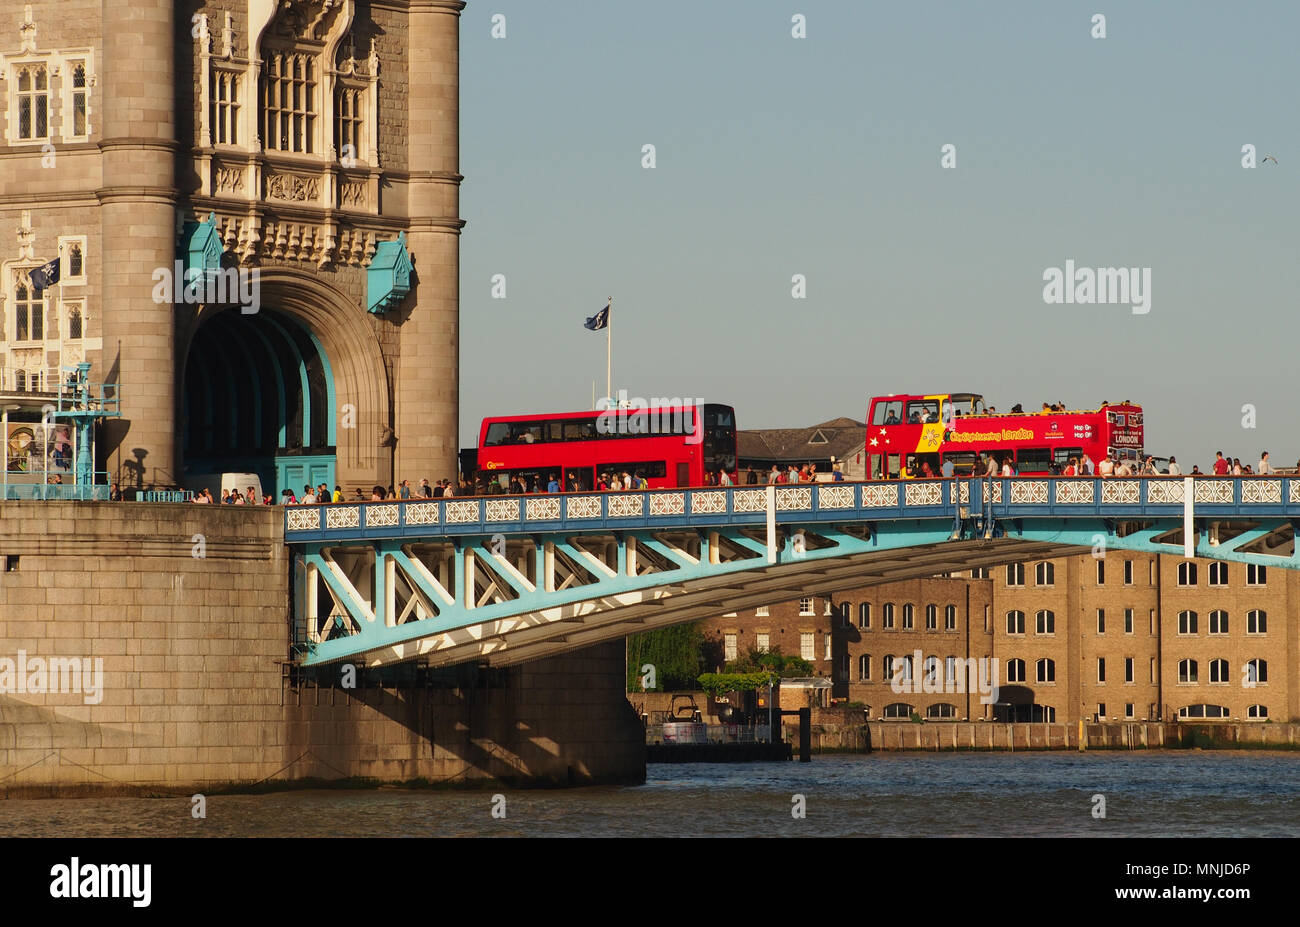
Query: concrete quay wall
pixel 187 607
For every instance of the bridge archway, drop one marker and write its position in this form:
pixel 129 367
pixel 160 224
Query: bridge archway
pixel 296 392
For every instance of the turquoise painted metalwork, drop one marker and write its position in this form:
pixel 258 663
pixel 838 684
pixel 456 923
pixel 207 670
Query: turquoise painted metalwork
pixel 388 278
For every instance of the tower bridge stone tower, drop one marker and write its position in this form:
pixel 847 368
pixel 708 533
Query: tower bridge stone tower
pixel 278 145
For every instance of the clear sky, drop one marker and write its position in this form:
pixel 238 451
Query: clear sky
pixel 820 156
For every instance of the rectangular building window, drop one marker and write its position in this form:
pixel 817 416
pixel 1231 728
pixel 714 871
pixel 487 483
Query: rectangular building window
pixel 761 612
pixel 1153 669
pixel 764 640
pixel 347 124
pixel 729 647
pixel 1101 621
pixel 1128 669
pixel 806 606
pixel 224 115
pixel 827 638
pixel 1128 710
pixel 1101 572
pixel 289 103
pixel 1101 711
pixel 1101 670
pixel 33 98
pixel 78 99
pixel 1256 575
pixel 1128 572
pixel 1128 621
pixel 807 646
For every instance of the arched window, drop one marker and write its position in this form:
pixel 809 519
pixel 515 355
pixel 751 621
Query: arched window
pixel 1187 622
pixel 942 710
pixel 909 616
pixel 889 667
pixel 864 615
pixel 906 668
pixel 1257 622
pixel 950 670
pixel 1015 671
pixel 888 611
pixel 864 667
pixel 1187 573
pixel 932 617
pixel 1046 670
pixel 1045 622
pixel 20 380
pixel 1203 711
pixel 1015 574
pixel 1256 672
pixel 898 710
pixel 27 314
pixel 74 323
pixel 950 618
pixel 1219 671
pixel 1016 622
pixel 1218 573
pixel 1218 622
pixel 1257 712
pixel 290 100
pixel 75 268
pixel 1045 574
pixel 1187 671
pixel 931 678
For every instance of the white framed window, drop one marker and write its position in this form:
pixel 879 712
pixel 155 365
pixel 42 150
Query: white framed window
pixel 1045 574
pixel 1128 670
pixel 1101 711
pixel 729 647
pixel 864 615
pixel 1045 622
pixel 74 318
pixel 1187 674
pixel 1187 622
pixel 224 106
pixel 1218 573
pixel 1046 670
pixel 1015 574
pixel 909 616
pixel 290 101
pixel 349 119
pixel 763 641
pixel 76 100
pixel 887 621
pixel 761 612
pixel 1257 621
pixel 827 639
pixel 1256 672
pixel 950 670
pixel 1101 671
pixel 807 645
pixel 930 673
pixel 1256 575
pixel 1128 621
pixel 1257 712
pixel 1101 621
pixel 1016 622
pixel 1218 621
pixel 950 618
pixel 932 617
pixel 979 573
pixel 1219 673
pixel 72 260
pixel 1153 669
pixel 29 90
pixel 806 606
pixel 28 311
pixel 1128 711
pixel 1101 572
pixel 1015 671
pixel 1187 573
pixel 1128 572
pixel 864 667
pixel 828 608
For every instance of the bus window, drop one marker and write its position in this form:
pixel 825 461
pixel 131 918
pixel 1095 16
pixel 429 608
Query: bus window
pixel 893 466
pixel 922 411
pixel 1061 455
pixel 579 429
pixel 877 471
pixel 888 413
pixel 1034 460
pixel 963 463
pixel 578 479
pixel 498 433
pixel 526 432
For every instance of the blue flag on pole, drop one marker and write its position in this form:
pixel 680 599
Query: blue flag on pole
pixel 598 321
pixel 45 276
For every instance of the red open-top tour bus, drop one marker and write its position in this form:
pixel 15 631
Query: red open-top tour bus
pixel 904 433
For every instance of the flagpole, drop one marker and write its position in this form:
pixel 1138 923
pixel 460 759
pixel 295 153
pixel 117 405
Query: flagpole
pixel 609 349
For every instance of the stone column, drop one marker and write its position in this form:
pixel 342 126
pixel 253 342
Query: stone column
pixel 428 372
pixel 137 100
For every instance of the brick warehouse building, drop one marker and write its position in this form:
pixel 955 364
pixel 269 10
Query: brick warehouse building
pixel 1127 637
pixel 314 142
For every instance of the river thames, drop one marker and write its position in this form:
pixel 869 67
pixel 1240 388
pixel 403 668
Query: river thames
pixel 1147 794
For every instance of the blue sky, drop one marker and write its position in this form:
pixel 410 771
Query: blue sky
pixel 820 156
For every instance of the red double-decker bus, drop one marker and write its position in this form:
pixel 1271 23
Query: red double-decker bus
pixel 680 445
pixel 905 433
